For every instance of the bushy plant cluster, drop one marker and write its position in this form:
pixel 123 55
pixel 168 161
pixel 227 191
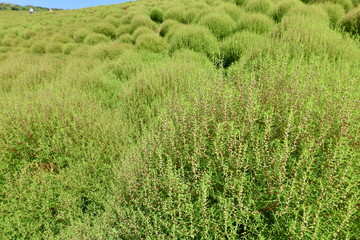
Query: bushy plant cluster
pixel 351 21
pixel 221 25
pixel 207 119
pixel 196 38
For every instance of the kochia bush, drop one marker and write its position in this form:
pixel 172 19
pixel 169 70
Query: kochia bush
pixel 351 21
pixel 61 38
pixel 141 30
pixel 166 25
pixel 234 12
pixel 69 47
pixel 96 38
pixel 157 15
pixel 175 14
pixel 81 34
pixel 139 21
pixel 27 34
pixel 54 47
pixel 334 11
pixel 220 24
pixel 283 7
pixel 346 4
pixel 233 47
pixel 124 29
pixel 255 22
pixel 196 38
pixel 38 47
pixel 126 38
pixel 107 29
pixel 152 42
pixel 260 6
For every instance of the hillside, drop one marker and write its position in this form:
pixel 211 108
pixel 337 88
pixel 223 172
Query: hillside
pixel 201 119
pixel 16 7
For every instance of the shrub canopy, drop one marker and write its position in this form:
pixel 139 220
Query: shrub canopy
pixel 196 38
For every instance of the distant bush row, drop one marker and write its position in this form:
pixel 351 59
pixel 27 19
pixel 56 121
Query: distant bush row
pixel 15 7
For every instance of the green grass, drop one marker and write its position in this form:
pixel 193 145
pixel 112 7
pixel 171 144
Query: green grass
pixel 222 119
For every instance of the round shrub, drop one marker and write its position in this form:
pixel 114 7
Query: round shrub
pixel 81 34
pixel 68 48
pixel 346 4
pixel 233 47
pixel 196 38
pixel 70 32
pixel 108 50
pixel 157 15
pixel 309 11
pixel 198 5
pixel 113 21
pixel 4 49
pixel 334 11
pixel 81 51
pixel 61 38
pixel 127 18
pixel 131 62
pixel 240 2
pixel 141 30
pixel 221 25
pixel 96 38
pixel 234 12
pixel 175 14
pixel 255 22
pixel 166 25
pixel 124 29
pixel 191 15
pixel 7 42
pixel 16 42
pixel 356 3
pixel 142 21
pixel 54 47
pixel 188 55
pixel 152 42
pixel 351 21
pixel 38 47
pixel 27 34
pixel 126 38
pixel 260 6
pixel 283 7
pixel 107 29
pixel 304 37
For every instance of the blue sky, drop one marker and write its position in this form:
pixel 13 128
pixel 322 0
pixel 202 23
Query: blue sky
pixel 65 4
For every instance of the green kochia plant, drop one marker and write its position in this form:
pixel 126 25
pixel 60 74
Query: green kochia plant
pixel 351 21
pixel 260 6
pixel 166 25
pixel 196 38
pixel 283 7
pixel 141 30
pixel 107 29
pixel 95 38
pixel 219 23
pixel 234 47
pixel 156 15
pixel 81 34
pixel 255 22
pixel 152 42
pixel 334 11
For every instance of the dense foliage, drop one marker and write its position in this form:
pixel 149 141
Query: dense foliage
pixel 15 7
pixel 202 119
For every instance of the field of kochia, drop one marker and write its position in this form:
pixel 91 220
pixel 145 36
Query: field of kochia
pixel 162 119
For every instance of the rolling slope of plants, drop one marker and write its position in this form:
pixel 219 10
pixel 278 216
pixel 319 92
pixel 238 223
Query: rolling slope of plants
pixel 159 119
pixel 16 7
